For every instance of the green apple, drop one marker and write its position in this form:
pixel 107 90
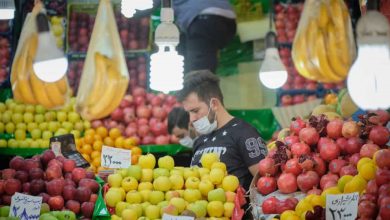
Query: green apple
pixel 203 203
pixel 162 183
pixel 17 118
pixel 46 135
pixel 192 182
pixel 60 131
pixel 147 161
pixel 230 183
pixel 6 117
pixel 216 176
pixel 12 143
pixel 43 143
pixel 166 162
pixel 155 197
pixel 129 183
pixel 10 127
pixel 152 212
pixel 145 194
pixel 144 205
pixel 112 198
pixel 45 208
pixel 39 118
pixel 198 209
pixel 61 116
pixel 121 191
pixel 20 108
pixel 129 214
pixel 87 125
pixel 73 117
pixel 133 197
pixel 190 172
pixel 2 127
pixel 122 172
pixel 67 125
pixel 135 171
pixel 120 206
pixel 176 171
pixel 66 215
pixel 230 196
pixel 216 195
pixel 3 143
pixel 43 126
pixel 215 209
pixel 142 218
pixel 179 203
pixel 36 133
pixel 170 210
pixel 3 107
pixel 208 159
pixel 163 204
pixel 192 195
pixel 50 116
pixel 177 181
pixel 160 172
pixel 4 211
pixel 39 109
pixel 76 133
pixel 136 207
pixel 79 126
pixel 27 117
pixel 228 207
pixel 147 175
pixel 53 126
pixel 21 126
pixel 145 185
pixel 171 194
pixel 205 186
pixel 47 216
pixel 114 180
pixel 20 134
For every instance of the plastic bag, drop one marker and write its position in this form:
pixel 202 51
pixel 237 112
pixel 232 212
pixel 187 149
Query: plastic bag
pixel 105 78
pixel 324 47
pixel 26 86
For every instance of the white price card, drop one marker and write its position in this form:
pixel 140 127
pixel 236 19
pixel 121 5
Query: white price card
pixel 342 206
pixel 56 148
pixel 25 207
pixel 172 217
pixel 115 157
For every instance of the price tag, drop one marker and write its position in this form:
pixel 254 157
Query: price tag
pixel 115 157
pixel 342 206
pixel 172 217
pixel 56 148
pixel 25 207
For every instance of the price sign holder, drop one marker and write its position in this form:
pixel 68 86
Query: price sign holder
pixel 25 207
pixel 65 145
pixel 342 206
pixel 172 217
pixel 114 158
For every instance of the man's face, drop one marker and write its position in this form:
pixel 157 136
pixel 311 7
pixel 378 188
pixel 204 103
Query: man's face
pixel 195 107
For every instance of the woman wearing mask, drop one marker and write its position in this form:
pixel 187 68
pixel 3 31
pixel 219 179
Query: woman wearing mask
pixel 179 125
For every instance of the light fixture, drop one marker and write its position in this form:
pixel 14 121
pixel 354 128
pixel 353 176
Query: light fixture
pixel 369 77
pixel 50 64
pixel 166 66
pixel 130 7
pixel 7 9
pixel 272 73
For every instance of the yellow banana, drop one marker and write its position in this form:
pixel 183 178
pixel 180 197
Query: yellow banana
pixel 33 45
pixel 39 91
pixel 100 81
pixel 300 59
pixel 63 85
pixel 323 17
pixel 335 62
pixel 54 93
pixel 338 16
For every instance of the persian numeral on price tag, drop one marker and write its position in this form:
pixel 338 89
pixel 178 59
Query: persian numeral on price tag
pixel 172 217
pixel 115 157
pixel 25 207
pixel 342 206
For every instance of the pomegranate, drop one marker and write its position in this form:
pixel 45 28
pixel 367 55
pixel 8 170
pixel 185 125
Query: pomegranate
pixel 287 183
pixel 368 150
pixel 328 178
pixel 307 180
pixel 354 159
pixel 384 189
pixel 290 140
pixel 379 135
pixel 267 167
pixel 367 209
pixel 323 141
pixel 353 145
pixel 143 112
pixel 384 210
pixel 368 197
pixel 314 191
pixel 348 170
pixel 350 129
pixel 382 176
pixel 307 164
pixel 372 187
pixel 139 91
pixel 383 115
pixel 299 149
pixel 336 165
pixel 309 135
pixel 282 206
pixel 329 184
pixel 329 151
pixel 296 125
pixel 342 143
pixel 334 128
pixel 382 158
pixel 292 166
pixel 320 165
pixel 269 205
pixel 266 185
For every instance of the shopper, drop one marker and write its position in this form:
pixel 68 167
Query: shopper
pixel 179 125
pixel 238 144
pixel 206 26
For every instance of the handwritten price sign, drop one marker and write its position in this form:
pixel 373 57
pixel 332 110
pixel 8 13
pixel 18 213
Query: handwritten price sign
pixel 115 158
pixel 342 206
pixel 25 207
pixel 172 217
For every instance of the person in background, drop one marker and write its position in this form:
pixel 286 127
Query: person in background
pixel 237 143
pixel 179 125
pixel 206 26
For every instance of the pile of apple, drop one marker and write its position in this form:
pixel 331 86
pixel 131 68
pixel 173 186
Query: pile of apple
pixel 286 21
pixel 45 213
pixel 137 72
pixel 143 116
pixel 74 74
pixel 286 99
pixel 60 183
pixel 33 126
pixel 5 53
pixel 318 152
pixel 143 190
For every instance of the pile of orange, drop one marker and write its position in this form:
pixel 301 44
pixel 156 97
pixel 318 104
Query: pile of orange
pixel 90 146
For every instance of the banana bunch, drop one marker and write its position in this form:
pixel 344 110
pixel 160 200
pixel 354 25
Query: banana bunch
pixel 106 91
pixel 28 88
pixel 324 49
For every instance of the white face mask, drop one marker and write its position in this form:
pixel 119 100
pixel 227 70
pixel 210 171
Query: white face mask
pixel 187 141
pixel 203 125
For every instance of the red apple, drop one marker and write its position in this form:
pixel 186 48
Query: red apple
pixel 26 187
pixel 78 174
pixel 6 199
pixel 90 175
pixel 68 176
pixel 16 163
pixel 37 186
pixel 69 192
pixel 8 174
pixel 45 197
pixel 83 194
pixel 87 209
pixel 47 156
pixel 12 186
pixel 89 183
pixel 2 187
pixel 53 172
pixel 55 162
pixel 56 203
pixel 69 182
pixel 36 173
pixel 31 163
pixel 73 206
pixel 93 198
pixel 55 187
pixel 69 165
pixel 22 176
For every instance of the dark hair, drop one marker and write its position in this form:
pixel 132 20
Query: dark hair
pixel 203 83
pixel 178 117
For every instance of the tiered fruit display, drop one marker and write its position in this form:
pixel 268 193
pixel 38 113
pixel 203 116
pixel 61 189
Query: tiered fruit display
pixel 60 183
pixel 137 73
pixel 319 154
pixel 143 190
pixel 33 125
pixel 57 28
pixel 90 146
pixel 74 74
pixel 5 56
pixel 142 115
pixel 286 21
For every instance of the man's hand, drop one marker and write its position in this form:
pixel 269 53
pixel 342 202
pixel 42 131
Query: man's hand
pixel 253 169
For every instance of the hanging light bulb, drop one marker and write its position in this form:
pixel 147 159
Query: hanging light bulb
pixel 7 9
pixel 166 66
pixel 369 77
pixel 272 74
pixel 50 64
pixel 130 7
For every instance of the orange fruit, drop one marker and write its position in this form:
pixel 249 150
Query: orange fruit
pixel 96 162
pixel 97 145
pixel 89 131
pixel 128 143
pixel 79 142
pixel 134 159
pixel 95 154
pixel 102 131
pixel 115 133
pixel 136 151
pixel 88 139
pixel 86 149
pixel 119 142
pixel 134 141
pixel 108 141
pixel 97 137
pixel 86 156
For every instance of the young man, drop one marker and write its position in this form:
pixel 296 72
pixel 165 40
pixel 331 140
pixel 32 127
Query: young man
pixel 179 125
pixel 238 144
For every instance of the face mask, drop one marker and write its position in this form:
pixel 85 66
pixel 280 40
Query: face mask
pixel 203 125
pixel 187 141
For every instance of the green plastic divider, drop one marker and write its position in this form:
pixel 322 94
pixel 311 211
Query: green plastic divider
pixel 23 152
pixel 170 149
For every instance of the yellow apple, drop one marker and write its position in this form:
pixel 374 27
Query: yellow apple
pixel 113 197
pixel 123 173
pixel 129 183
pixel 216 176
pixel 144 186
pixel 219 165
pixel 145 194
pixel 156 197
pixel 115 217
pixel 179 203
pixel 208 159
pixel 192 195
pixel 216 195
pixel 114 180
pixel 152 212
pixel 203 203
pixel 147 175
pixel 230 183
pixel 120 191
pixel 215 209
pixel 170 210
pixel 162 183
pixel 203 171
pixel 228 207
pixel 147 161
pixel 163 204
pixel 166 162
pixel 171 194
pixel 135 171
pixel 177 181
pixel 205 177
pixel 176 171
pixel 119 207
pixel 189 172
pixel 144 205
pixel 205 186
pixel 181 192
pixel 192 182
pixel 160 172
pixel 230 196
pixel 133 197
pixel 136 207
pixel 198 209
pixel 129 214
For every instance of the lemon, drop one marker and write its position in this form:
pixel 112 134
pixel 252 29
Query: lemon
pixel 302 207
pixel 330 191
pixel 367 171
pixel 357 184
pixel 287 214
pixel 317 200
pixel 309 197
pixel 363 161
pixel 342 181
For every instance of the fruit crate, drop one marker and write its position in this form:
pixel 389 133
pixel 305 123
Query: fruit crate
pixel 135 33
